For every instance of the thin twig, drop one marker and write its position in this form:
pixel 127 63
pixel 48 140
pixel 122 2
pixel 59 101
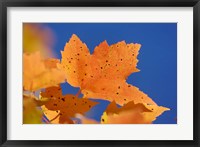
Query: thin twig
pixel 78 93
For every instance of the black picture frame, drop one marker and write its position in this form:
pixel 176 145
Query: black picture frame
pixel 4 4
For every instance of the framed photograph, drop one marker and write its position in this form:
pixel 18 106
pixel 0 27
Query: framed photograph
pixel 102 73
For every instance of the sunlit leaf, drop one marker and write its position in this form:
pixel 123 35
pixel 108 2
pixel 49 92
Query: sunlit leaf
pixel 131 113
pixel 40 73
pixel 103 74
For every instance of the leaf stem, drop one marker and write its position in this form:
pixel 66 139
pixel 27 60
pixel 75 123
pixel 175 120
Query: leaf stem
pixel 78 93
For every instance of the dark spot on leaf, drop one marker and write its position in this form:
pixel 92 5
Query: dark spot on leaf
pixel 103 120
pixel 69 61
pixel 125 99
pixel 63 99
pixel 118 87
pixel 117 93
pixel 55 104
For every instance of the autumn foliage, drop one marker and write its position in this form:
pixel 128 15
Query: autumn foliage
pixel 101 75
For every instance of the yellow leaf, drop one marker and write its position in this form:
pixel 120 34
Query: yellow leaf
pixel 39 73
pixel 52 116
pixel 37 38
pixel 31 114
pixel 131 113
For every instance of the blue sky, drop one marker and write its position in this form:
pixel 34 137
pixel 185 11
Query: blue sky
pixel 157 58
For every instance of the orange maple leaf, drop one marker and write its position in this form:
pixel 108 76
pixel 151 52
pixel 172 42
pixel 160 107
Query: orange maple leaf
pixel 39 72
pixel 66 106
pixel 131 113
pixel 103 74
